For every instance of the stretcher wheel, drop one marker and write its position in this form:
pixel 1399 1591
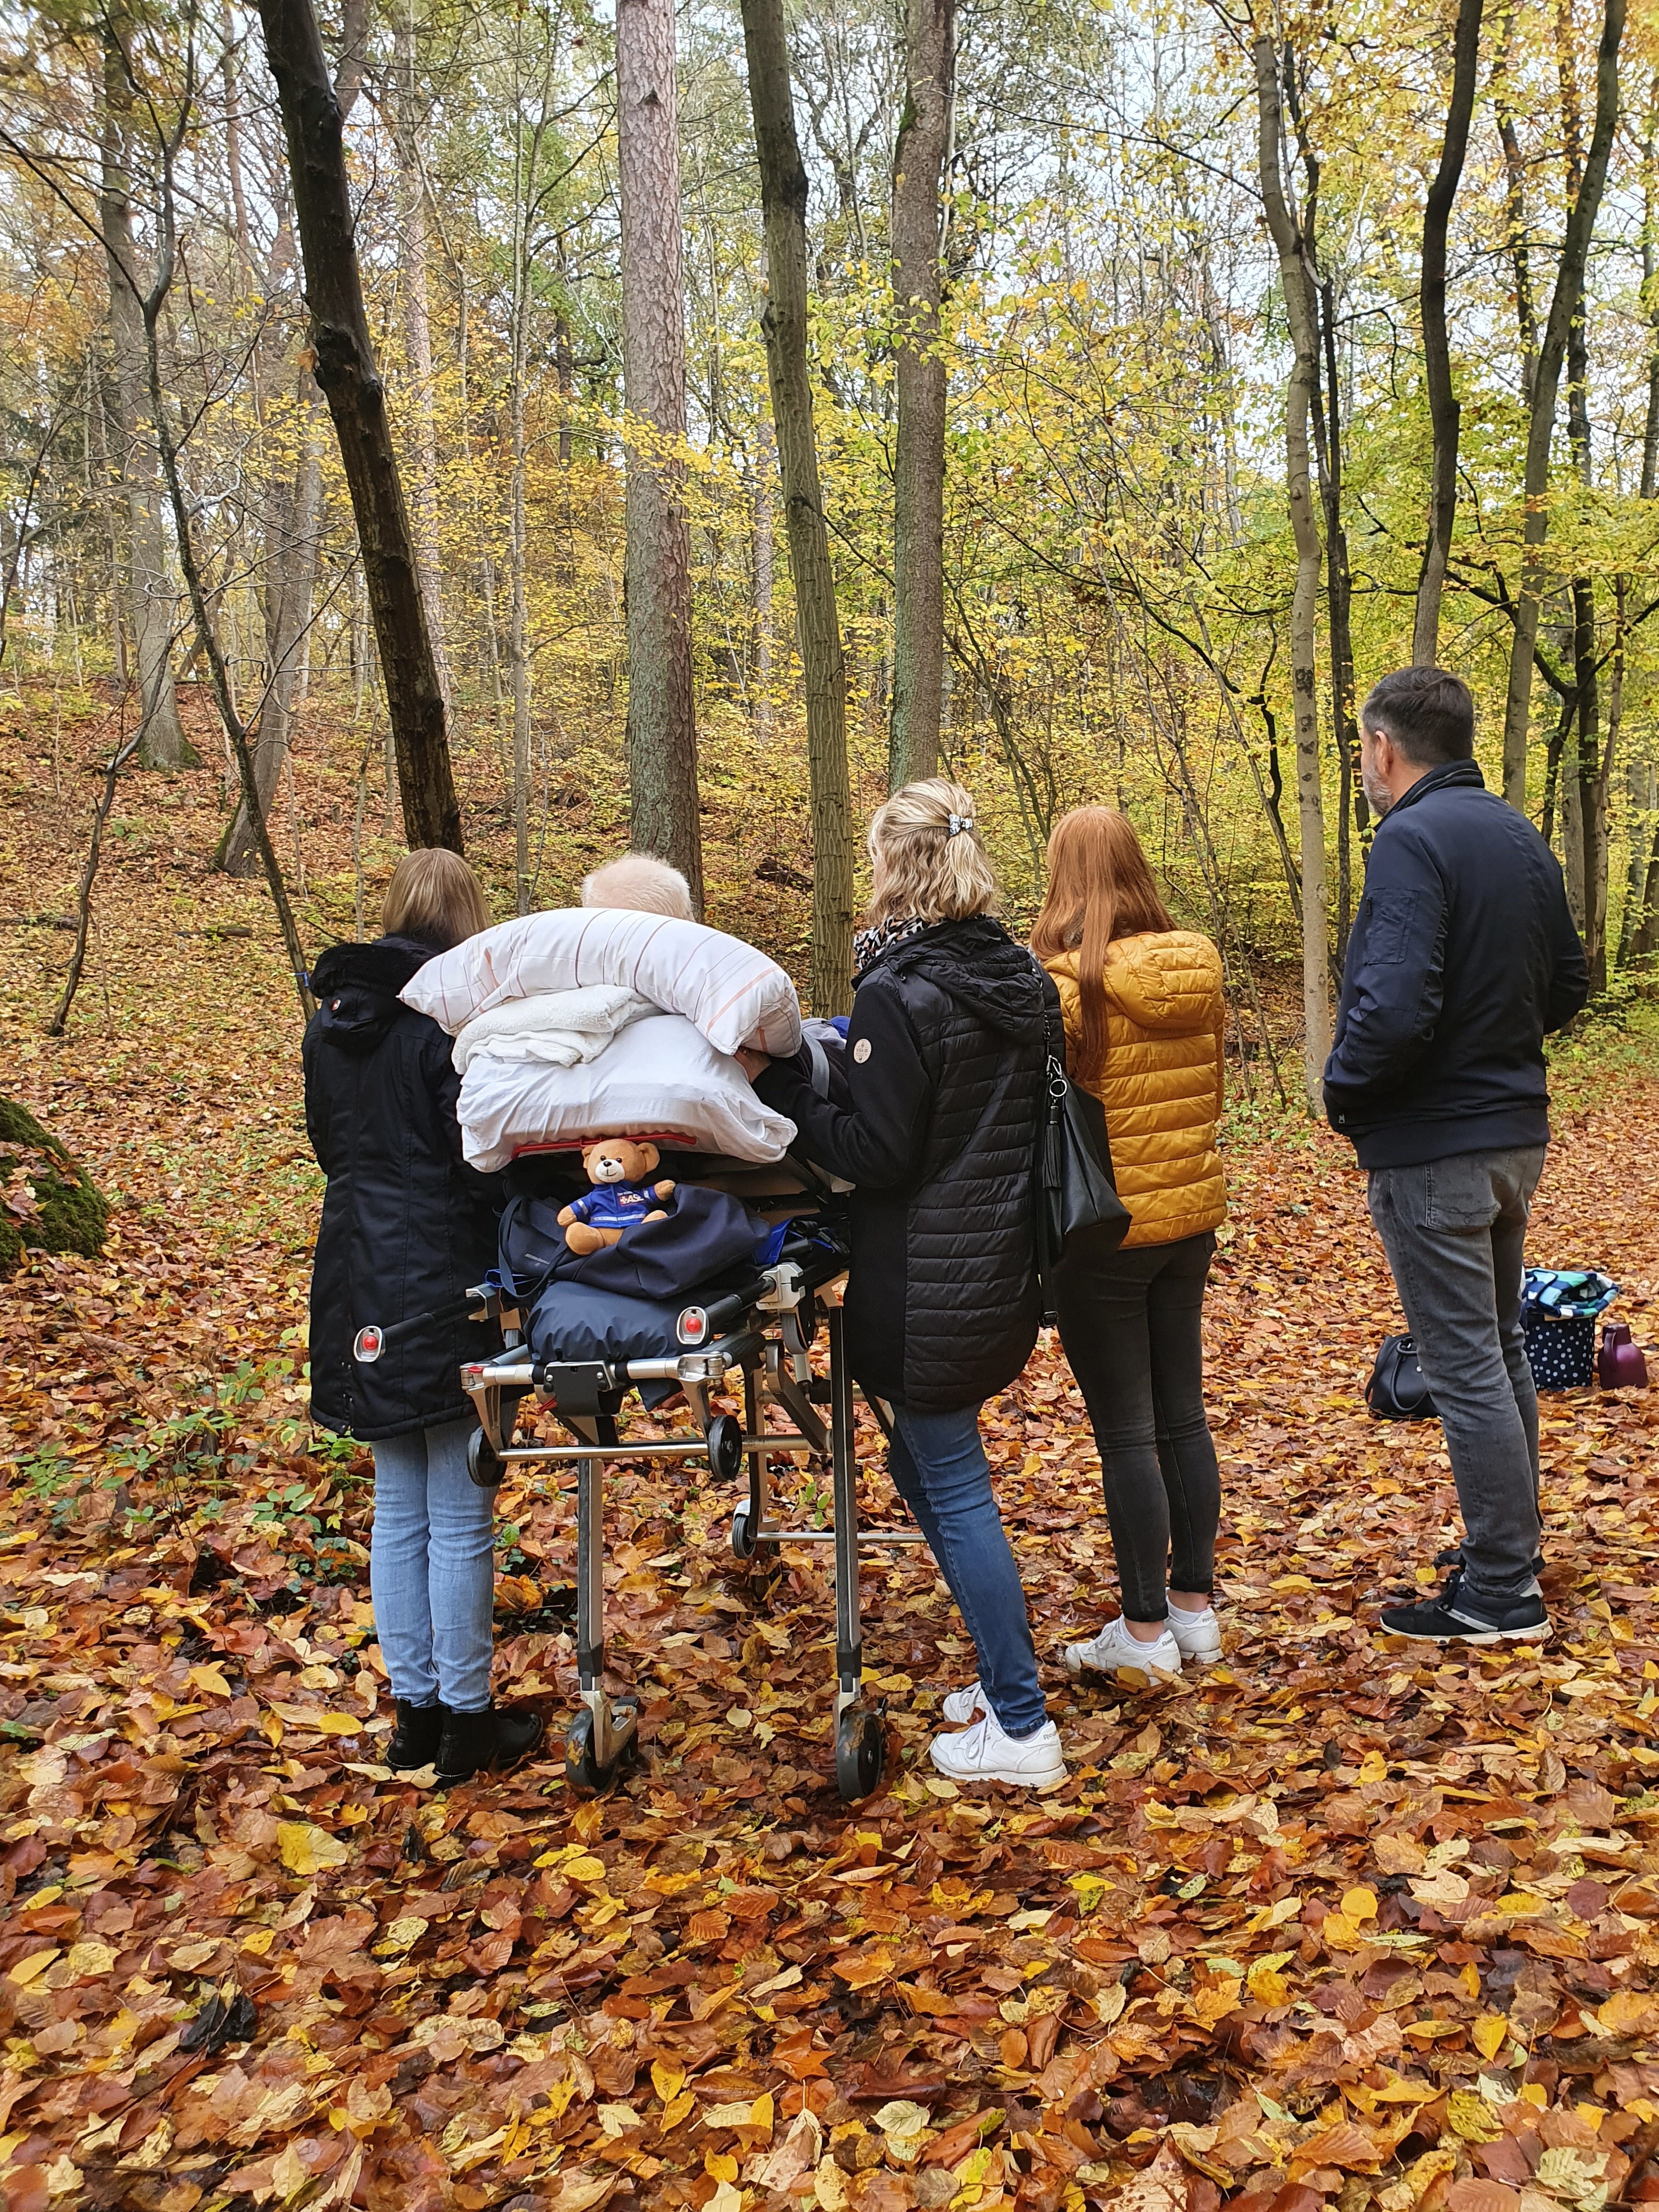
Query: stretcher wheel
pixel 859 1750
pixel 725 1447
pixel 483 1462
pixel 582 1771
pixel 744 1539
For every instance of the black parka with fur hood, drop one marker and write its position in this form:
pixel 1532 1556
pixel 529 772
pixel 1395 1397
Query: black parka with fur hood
pixel 944 1063
pixel 407 1228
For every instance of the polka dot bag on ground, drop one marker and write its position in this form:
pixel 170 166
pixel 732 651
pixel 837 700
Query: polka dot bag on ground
pixel 1559 1313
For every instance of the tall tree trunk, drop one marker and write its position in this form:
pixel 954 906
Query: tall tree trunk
pixel 1585 783
pixel 1298 281
pixel 662 737
pixel 1444 412
pixel 920 154
pixel 766 463
pixel 417 344
pixel 783 204
pixel 150 587
pixel 294 584
pixel 345 369
pixel 1564 305
pixel 1514 207
pixel 1641 878
pixel 1338 600
pixel 102 477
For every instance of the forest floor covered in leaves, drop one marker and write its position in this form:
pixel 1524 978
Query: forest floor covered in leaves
pixel 1332 1921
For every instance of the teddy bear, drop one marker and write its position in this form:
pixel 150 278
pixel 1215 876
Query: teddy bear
pixel 621 1197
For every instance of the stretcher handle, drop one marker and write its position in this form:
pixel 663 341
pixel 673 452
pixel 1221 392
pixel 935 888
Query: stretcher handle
pixel 372 1340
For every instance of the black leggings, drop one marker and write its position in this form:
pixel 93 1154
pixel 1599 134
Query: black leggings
pixel 1130 1324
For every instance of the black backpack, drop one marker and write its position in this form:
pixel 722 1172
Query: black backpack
pixel 1396 1391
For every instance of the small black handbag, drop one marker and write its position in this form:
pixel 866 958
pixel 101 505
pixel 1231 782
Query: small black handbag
pixel 1396 1391
pixel 1077 1202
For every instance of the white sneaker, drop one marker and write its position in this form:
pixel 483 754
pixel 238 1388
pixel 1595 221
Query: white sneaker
pixel 983 1753
pixel 1199 1635
pixel 965 1705
pixel 1115 1649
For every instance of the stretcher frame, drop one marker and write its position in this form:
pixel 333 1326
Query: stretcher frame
pixel 767 1341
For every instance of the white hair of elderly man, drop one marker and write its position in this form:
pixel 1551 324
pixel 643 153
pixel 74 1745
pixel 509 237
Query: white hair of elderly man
pixel 639 881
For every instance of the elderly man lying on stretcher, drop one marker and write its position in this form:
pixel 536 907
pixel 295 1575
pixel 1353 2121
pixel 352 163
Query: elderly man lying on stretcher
pixel 618 1017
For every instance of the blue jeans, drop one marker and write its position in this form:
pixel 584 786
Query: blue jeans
pixel 939 1468
pixel 1453 1231
pixel 432 1569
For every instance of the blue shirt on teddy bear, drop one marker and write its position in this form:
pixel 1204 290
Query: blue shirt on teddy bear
pixel 614 1204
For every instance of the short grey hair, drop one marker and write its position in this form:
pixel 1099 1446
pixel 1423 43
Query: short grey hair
pixel 639 881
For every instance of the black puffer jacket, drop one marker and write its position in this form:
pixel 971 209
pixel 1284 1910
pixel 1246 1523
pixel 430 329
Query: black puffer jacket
pixel 944 1061
pixel 408 1228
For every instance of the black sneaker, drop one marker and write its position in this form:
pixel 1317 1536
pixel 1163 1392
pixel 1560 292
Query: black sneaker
pixel 415 1739
pixel 498 1737
pixel 1453 1557
pixel 1455 1617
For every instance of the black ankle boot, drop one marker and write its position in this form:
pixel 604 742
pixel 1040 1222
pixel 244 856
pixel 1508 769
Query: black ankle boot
pixel 414 1741
pixel 499 1736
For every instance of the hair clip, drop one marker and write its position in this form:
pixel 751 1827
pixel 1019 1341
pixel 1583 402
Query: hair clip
pixel 959 823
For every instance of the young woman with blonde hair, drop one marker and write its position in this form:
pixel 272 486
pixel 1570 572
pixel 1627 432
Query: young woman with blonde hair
pixel 944 1064
pixel 407 1229
pixel 1143 1017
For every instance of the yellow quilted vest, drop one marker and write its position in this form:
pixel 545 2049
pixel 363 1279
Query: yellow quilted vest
pixel 1161 1082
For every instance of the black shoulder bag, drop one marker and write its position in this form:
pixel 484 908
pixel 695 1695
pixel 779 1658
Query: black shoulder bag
pixel 1078 1206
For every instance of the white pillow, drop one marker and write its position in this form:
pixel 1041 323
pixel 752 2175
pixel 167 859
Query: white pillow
pixel 657 1076
pixel 734 994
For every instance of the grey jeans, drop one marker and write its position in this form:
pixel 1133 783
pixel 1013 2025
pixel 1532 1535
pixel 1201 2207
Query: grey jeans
pixel 1453 1231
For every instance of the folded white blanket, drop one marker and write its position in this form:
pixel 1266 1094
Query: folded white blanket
pixel 659 1076
pixel 563 1028
pixel 734 993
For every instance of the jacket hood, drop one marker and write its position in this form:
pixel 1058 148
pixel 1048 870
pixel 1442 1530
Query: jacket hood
pixel 356 989
pixel 979 966
pixel 1167 979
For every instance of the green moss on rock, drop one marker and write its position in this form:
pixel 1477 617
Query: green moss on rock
pixel 47 1201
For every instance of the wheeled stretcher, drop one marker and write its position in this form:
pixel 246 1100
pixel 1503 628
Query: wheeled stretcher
pixel 761 1335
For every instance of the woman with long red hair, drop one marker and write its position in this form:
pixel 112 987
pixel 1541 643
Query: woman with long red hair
pixel 1144 1011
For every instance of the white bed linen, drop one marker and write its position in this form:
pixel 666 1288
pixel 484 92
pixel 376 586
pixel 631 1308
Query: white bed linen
pixel 560 1027
pixel 660 1074
pixel 734 994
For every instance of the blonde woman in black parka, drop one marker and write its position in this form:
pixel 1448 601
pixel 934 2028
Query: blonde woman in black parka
pixel 946 1070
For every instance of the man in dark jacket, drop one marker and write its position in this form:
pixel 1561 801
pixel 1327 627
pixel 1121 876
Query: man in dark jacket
pixel 1463 957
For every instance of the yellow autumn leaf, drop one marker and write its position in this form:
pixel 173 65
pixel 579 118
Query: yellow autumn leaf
pixel 675 2110
pixel 259 1940
pixel 761 2112
pixel 1629 2012
pixel 1373 1768
pixel 720 2163
pixel 1359 1904
pixel 1469 2115
pixel 1490 2030
pixel 210 1678
pixel 668 2079
pixel 337 1724
pixel 25 1971
pixel 585 1869
pixel 308 1850
pixel 405 1932
pixel 89 1958
pixel 1267 1986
